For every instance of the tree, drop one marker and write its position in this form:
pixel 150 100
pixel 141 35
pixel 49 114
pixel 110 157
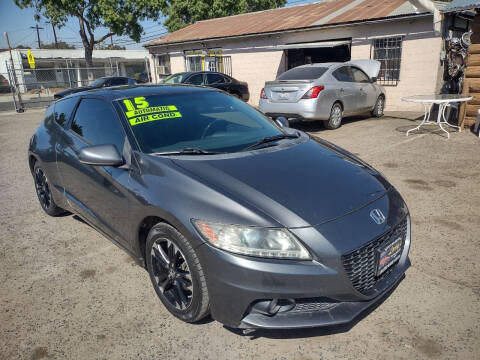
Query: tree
pixel 121 17
pixel 181 13
pixel 59 45
pixel 109 47
pixel 22 47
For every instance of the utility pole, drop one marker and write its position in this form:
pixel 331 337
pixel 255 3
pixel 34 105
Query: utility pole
pixel 38 33
pixel 20 109
pixel 54 34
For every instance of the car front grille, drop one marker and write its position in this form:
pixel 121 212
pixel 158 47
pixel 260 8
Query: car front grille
pixel 360 264
pixel 313 304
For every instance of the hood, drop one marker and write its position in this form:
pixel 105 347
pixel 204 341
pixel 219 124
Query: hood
pixel 371 67
pixel 300 185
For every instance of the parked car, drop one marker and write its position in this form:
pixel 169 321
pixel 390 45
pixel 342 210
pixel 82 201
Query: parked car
pixel 198 187
pixel 142 78
pixel 326 91
pixel 96 84
pixel 212 79
pixel 4 85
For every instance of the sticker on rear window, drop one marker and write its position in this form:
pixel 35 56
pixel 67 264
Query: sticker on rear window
pixel 141 112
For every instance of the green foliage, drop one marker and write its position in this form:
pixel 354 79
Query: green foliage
pixel 22 47
pixel 109 47
pixel 181 13
pixel 120 16
pixel 60 45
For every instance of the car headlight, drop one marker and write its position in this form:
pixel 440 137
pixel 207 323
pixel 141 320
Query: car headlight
pixel 253 241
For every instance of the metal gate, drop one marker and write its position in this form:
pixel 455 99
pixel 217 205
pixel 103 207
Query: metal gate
pixel 27 88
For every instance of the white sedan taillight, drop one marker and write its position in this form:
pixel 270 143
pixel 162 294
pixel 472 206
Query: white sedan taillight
pixel 262 94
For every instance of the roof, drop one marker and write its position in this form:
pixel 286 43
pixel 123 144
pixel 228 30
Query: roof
pixel 122 92
pixel 461 5
pixel 323 13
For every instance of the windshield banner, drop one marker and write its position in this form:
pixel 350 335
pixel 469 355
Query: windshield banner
pixel 141 112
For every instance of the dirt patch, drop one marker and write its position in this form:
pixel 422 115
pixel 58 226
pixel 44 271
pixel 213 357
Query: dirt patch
pixel 87 274
pixel 391 165
pixel 449 224
pixel 39 353
pixel 427 347
pixel 445 183
pixel 418 184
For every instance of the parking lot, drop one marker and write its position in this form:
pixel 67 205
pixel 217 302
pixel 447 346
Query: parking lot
pixel 67 292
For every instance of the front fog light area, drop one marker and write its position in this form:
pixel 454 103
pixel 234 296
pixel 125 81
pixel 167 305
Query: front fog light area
pixel 252 241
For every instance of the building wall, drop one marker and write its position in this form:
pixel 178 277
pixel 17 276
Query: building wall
pixel 256 60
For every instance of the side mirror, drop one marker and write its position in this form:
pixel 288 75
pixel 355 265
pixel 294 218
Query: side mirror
pixel 100 155
pixel 282 122
pixel 373 79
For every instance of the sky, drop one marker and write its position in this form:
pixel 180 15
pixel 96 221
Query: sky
pixel 17 23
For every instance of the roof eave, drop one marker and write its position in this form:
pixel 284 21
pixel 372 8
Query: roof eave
pixel 315 27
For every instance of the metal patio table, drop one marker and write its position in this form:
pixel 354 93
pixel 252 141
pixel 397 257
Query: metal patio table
pixel 443 101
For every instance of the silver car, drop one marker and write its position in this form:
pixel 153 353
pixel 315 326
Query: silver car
pixel 325 91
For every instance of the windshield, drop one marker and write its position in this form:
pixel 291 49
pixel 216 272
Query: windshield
pixel 98 82
pixel 208 121
pixel 303 73
pixel 175 78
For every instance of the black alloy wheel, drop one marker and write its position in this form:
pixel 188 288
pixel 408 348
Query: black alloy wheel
pixel 172 273
pixel 176 273
pixel 42 188
pixel 44 194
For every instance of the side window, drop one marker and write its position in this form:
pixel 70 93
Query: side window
pixel 359 76
pixel 97 123
pixel 118 81
pixel 215 79
pixel 49 115
pixel 63 110
pixel 342 74
pixel 196 79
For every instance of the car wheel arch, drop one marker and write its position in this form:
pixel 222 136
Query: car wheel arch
pixel 146 225
pixel 32 160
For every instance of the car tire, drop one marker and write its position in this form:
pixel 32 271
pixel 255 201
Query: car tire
pixel 42 188
pixel 335 120
pixel 176 273
pixel 379 106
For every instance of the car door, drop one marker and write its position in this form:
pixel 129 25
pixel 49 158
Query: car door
pixel 98 193
pixel 195 79
pixel 366 94
pixel 346 90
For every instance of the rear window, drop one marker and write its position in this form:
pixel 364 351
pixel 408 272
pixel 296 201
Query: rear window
pixel 303 73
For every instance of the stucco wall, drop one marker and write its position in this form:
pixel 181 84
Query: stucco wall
pixel 256 60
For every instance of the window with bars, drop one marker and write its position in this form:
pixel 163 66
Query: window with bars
pixel 193 63
pixel 389 52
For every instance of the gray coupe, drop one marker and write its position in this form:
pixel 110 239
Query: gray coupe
pixel 231 213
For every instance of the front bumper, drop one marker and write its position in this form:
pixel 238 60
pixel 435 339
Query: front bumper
pixel 238 284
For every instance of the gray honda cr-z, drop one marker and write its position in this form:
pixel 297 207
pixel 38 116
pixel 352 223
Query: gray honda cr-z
pixel 231 213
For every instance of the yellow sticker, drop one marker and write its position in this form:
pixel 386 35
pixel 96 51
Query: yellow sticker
pixel 152 117
pixel 154 109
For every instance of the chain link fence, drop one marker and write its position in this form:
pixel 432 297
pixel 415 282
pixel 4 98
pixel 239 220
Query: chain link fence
pixel 22 88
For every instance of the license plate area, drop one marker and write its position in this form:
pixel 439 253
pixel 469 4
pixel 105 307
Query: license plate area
pixel 388 254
